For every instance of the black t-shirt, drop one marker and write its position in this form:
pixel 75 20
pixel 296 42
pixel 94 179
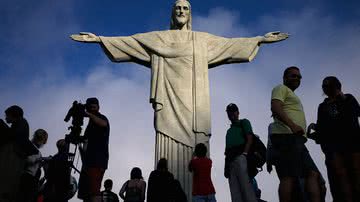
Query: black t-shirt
pixel 19 133
pixel 58 177
pixel 97 151
pixel 338 121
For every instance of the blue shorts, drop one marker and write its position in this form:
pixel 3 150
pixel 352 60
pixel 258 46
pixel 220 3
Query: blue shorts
pixel 204 198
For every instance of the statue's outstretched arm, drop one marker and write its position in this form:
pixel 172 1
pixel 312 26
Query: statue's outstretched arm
pixel 86 37
pixel 272 37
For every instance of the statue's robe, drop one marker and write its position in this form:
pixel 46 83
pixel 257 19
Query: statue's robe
pixel 179 62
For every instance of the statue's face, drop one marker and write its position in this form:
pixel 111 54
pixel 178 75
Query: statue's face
pixel 182 13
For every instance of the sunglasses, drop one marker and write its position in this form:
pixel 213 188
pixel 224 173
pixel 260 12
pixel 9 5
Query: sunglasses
pixel 295 76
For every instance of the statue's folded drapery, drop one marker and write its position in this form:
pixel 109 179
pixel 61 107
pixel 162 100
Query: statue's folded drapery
pixel 179 62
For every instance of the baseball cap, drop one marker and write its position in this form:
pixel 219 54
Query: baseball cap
pixel 92 100
pixel 232 108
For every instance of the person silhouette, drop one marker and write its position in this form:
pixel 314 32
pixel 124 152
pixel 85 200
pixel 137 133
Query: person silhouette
pixel 160 183
pixel 134 189
pixel 107 195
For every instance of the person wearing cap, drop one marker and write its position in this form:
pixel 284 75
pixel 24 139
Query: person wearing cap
pixel 288 138
pixel 96 152
pixel 238 142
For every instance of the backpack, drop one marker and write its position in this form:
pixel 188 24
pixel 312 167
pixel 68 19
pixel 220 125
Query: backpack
pixel 256 157
pixel 133 194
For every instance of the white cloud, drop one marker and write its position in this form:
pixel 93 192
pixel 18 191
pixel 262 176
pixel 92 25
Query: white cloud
pixel 221 22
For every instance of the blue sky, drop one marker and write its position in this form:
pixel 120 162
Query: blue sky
pixel 43 71
pixel 29 30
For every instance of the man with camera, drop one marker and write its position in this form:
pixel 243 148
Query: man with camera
pixel 95 154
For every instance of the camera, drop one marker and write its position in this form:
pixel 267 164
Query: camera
pixel 77 114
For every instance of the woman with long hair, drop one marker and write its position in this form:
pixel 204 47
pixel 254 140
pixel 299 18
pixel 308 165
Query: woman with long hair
pixel 338 133
pixel 133 190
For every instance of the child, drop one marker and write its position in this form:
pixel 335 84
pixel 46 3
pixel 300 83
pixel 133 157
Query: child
pixel 200 165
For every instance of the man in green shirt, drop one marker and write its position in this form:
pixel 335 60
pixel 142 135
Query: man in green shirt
pixel 288 138
pixel 238 142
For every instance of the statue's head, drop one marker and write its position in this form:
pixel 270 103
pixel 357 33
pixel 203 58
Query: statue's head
pixel 181 15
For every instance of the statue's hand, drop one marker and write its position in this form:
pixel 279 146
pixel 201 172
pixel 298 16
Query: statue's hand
pixel 85 37
pixel 274 37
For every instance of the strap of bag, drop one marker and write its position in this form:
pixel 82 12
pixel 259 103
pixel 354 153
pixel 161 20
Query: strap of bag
pixel 243 130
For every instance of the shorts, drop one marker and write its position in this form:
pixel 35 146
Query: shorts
pixel 204 198
pixel 293 159
pixel 340 147
pixel 90 182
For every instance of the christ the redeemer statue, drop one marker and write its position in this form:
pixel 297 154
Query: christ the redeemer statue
pixel 179 60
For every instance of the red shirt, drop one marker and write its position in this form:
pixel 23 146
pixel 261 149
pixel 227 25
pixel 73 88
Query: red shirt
pixel 202 184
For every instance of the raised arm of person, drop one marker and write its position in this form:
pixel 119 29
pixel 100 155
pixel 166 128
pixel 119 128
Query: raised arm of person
pixel 97 120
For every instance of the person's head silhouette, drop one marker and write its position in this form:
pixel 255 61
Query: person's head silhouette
pixel 108 184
